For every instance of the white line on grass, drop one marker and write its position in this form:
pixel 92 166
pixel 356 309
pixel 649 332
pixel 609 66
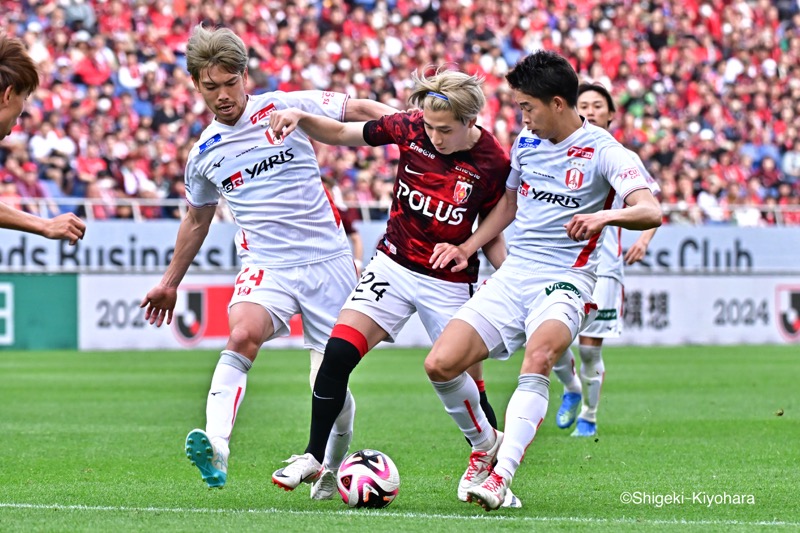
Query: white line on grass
pixel 391 514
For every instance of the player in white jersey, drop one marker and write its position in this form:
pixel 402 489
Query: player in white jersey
pixel 597 106
pixel 565 173
pixel 295 255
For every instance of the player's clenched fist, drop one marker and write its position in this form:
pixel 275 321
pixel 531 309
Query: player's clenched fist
pixel 67 226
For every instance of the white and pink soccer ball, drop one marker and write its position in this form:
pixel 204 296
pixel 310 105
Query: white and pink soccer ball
pixel 368 478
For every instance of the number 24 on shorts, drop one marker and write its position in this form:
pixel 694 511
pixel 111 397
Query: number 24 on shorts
pixel 368 283
pixel 243 282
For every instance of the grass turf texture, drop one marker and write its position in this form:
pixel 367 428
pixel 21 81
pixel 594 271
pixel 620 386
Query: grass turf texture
pixel 94 441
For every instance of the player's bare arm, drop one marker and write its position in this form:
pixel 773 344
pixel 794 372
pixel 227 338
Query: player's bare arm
pixel 363 109
pixel 643 212
pixel 496 221
pixel 67 226
pixel 638 250
pixel 495 251
pixel 160 301
pixel 319 128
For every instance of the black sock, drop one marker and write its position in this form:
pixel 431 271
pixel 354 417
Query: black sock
pixel 330 391
pixel 487 409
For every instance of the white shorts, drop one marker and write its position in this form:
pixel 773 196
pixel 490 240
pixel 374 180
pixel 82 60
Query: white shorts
pixel 389 294
pixel 316 291
pixel 513 303
pixel 608 295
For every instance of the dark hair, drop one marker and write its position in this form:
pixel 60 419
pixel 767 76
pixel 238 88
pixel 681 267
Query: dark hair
pixel 544 75
pixel 17 69
pixel 599 89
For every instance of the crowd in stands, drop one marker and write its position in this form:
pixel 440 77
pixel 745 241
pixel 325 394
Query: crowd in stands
pixel 708 90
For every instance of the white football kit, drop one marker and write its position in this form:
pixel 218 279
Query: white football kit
pixel 554 182
pixel 609 291
pixel 295 255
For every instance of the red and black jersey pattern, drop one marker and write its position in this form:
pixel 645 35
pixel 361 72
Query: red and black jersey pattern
pixel 437 197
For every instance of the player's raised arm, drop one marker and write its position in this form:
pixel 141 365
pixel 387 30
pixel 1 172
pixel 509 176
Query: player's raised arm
pixel 322 129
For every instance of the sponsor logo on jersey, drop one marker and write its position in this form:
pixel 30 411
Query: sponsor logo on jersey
pixel 561 286
pixel 462 192
pixel 574 179
pixel 211 142
pixel 468 172
pixel 273 139
pixel 529 141
pixel 577 151
pixel 232 182
pixel 430 207
pixel 408 169
pixel 544 196
pixel 284 156
pixel 630 173
pixel 218 163
pixel 261 114
pixel 248 150
pixel 420 150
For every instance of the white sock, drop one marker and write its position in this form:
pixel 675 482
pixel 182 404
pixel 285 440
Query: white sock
pixel 462 402
pixel 525 412
pixel 225 395
pixel 592 373
pixel 341 434
pixel 564 370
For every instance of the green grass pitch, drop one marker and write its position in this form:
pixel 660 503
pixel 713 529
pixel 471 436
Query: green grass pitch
pixel 94 442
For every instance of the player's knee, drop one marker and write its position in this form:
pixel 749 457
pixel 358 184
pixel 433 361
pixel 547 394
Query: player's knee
pixel 244 340
pixel 439 367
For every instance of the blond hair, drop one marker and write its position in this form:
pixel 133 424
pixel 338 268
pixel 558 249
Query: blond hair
pixel 449 90
pixel 219 47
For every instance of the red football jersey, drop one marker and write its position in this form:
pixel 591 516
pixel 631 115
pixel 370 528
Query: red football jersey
pixel 437 197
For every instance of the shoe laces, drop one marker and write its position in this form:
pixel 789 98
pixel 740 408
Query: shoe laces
pixel 477 461
pixel 494 483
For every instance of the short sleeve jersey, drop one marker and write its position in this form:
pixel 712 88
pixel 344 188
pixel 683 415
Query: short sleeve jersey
pixel 437 197
pixel 611 260
pixel 554 182
pixel 272 186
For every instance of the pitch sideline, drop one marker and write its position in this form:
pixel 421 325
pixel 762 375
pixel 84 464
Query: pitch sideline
pixel 380 513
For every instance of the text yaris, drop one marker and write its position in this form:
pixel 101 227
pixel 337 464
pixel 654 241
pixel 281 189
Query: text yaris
pixel 544 196
pixel 284 156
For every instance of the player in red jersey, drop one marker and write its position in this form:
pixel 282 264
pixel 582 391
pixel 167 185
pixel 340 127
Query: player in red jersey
pixel 450 173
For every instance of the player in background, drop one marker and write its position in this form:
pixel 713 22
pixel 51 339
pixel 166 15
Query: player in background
pixel 597 106
pixel 294 252
pixel 18 79
pixel 565 173
pixel 451 172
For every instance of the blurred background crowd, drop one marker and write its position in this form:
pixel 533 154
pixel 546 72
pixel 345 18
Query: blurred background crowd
pixel 708 91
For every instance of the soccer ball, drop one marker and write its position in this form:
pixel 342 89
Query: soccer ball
pixel 368 478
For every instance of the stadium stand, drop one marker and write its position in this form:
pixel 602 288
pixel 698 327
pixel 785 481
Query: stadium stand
pixel 709 91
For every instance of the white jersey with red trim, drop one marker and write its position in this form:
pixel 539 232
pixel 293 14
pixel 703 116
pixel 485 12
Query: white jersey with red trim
pixel 272 186
pixel 555 182
pixel 611 259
